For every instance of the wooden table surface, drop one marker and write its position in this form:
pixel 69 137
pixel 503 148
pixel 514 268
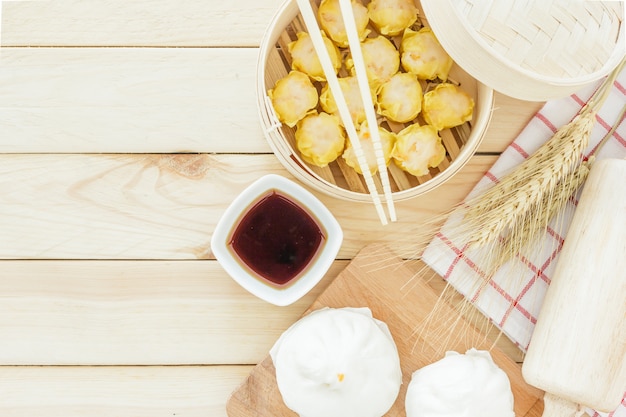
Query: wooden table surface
pixel 126 129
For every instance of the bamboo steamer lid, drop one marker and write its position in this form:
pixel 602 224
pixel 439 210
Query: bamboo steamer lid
pixel 531 50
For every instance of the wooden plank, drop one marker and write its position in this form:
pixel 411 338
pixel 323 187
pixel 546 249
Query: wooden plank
pixel 132 23
pixel 135 313
pixel 510 116
pixel 121 100
pixel 166 206
pixel 142 313
pixel 158 391
pixel 164 100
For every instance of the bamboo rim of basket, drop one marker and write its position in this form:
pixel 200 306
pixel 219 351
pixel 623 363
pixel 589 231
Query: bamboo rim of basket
pixel 460 145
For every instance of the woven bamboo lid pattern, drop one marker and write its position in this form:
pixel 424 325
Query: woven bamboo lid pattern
pixel 533 50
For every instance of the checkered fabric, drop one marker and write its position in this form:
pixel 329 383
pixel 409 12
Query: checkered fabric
pixel 513 304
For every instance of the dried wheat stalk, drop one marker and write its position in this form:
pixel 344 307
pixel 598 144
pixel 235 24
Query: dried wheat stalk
pixel 512 217
pixel 532 227
pixel 515 212
pixel 519 195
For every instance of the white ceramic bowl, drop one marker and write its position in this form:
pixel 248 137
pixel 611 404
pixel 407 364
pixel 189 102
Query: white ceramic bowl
pixel 245 274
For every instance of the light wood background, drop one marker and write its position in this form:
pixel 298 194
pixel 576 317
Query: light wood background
pixel 126 128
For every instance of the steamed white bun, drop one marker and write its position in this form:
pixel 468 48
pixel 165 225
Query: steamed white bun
pixel 469 385
pixel 338 363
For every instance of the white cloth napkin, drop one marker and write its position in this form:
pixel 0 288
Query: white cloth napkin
pixel 513 306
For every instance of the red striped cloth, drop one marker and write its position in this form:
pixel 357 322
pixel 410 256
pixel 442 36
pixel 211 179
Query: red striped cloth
pixel 513 304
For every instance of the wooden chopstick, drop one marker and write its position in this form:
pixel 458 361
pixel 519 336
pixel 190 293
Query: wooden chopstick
pixel 314 30
pixel 359 66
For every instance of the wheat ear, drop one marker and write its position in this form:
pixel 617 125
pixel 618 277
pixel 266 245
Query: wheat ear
pixel 519 194
pixel 530 191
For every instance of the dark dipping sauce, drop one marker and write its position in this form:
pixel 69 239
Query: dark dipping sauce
pixel 277 239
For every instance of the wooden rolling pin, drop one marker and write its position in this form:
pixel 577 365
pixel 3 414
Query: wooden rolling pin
pixel 577 353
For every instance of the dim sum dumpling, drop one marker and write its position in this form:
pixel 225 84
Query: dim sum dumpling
pixel 331 21
pixel 293 97
pixel 400 98
pixel 391 17
pixel 417 148
pixel 469 385
pixel 422 55
pixel 352 94
pixel 381 58
pixel 447 106
pixel 337 363
pixel 320 138
pixel 387 140
pixel 304 57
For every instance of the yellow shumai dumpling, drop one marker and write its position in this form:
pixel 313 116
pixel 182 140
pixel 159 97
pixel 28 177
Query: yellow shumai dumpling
pixel 293 97
pixel 331 20
pixel 391 17
pixel 320 138
pixel 423 55
pixel 352 94
pixel 387 140
pixel 382 60
pixel 417 148
pixel 304 57
pixel 400 98
pixel 447 106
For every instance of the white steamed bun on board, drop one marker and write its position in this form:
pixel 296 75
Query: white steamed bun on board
pixel 337 362
pixel 469 385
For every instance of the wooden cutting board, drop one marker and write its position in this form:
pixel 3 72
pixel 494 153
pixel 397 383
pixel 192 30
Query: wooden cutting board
pixel 377 279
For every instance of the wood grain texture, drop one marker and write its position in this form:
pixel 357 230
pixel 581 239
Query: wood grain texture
pixel 509 118
pixel 163 100
pixel 153 391
pixel 92 100
pixel 149 206
pixel 132 23
pixel 135 313
pixel 141 313
pixel 583 316
pixel 376 279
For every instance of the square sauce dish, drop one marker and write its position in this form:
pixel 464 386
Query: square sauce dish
pixel 277 240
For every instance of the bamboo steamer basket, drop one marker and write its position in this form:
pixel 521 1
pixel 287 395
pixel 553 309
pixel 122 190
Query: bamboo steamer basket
pixel 531 50
pixel 338 179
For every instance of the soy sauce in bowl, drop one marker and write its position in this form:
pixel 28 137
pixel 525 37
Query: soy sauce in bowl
pixel 277 238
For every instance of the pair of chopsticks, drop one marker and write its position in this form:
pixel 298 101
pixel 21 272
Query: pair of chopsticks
pixel 359 65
